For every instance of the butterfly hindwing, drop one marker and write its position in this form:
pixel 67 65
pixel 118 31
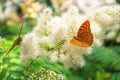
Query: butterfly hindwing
pixel 74 42
pixel 77 43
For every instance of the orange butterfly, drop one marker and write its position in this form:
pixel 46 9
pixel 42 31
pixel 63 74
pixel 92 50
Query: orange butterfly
pixel 17 41
pixel 84 36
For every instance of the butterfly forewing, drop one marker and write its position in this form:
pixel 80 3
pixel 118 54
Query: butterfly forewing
pixel 84 29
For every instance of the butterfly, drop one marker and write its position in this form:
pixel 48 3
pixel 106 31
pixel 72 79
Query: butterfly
pixel 17 41
pixel 84 36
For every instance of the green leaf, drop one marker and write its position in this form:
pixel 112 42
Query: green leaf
pixel 3 73
pixel 105 56
pixel 118 1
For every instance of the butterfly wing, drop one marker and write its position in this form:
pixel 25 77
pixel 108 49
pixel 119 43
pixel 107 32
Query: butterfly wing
pixel 84 28
pixel 75 42
pixel 84 35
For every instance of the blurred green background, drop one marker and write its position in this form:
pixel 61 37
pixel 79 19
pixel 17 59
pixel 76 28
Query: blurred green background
pixel 102 64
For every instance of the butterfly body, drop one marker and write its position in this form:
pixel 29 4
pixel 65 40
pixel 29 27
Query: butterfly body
pixel 84 36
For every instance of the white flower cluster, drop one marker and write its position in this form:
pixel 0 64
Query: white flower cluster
pixel 108 19
pixel 5 15
pixel 50 38
pixel 44 74
pixel 30 48
pixel 88 5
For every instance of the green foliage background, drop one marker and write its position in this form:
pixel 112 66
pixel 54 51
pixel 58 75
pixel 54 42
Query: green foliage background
pixel 102 64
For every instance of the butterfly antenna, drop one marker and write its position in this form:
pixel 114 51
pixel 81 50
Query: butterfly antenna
pixel 20 30
pixel 72 30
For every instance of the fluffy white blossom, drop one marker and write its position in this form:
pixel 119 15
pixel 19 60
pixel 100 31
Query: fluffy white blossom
pixel 9 9
pixel 59 29
pixel 88 5
pixel 43 27
pixel 61 5
pixel 107 18
pixel 60 32
pixel 52 34
pixel 30 47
